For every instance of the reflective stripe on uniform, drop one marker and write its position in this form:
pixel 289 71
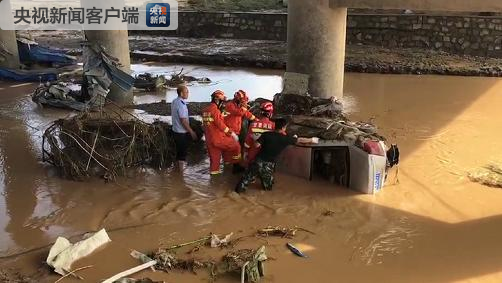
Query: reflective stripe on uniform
pixel 215 172
pixel 236 157
pixel 226 130
pixel 207 118
pixel 257 130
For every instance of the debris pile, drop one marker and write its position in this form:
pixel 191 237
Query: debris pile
pixel 249 263
pixel 294 104
pixel 323 118
pixel 491 176
pixel 106 145
pixel 181 78
pixel 168 261
pixel 61 95
pixel 101 72
pixel 149 82
pixel 30 52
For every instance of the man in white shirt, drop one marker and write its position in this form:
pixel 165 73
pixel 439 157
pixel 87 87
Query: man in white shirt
pixel 182 132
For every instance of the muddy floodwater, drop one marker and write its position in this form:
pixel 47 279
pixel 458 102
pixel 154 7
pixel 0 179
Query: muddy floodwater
pixel 434 225
pixel 257 82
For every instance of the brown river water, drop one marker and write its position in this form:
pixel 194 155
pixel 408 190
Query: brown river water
pixel 433 226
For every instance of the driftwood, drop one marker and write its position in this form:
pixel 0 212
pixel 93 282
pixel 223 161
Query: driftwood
pixel 130 271
pixel 72 273
pixel 283 232
pixel 202 240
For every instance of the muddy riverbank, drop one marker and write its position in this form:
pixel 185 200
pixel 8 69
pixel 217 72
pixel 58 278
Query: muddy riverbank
pixel 272 55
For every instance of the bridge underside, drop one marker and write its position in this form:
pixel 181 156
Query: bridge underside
pixel 317 28
pixel 424 5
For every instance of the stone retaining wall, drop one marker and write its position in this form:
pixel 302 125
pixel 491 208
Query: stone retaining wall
pixel 241 25
pixel 465 34
pixel 471 35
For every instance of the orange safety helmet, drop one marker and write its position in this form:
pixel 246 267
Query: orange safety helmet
pixel 267 109
pixel 241 96
pixel 218 94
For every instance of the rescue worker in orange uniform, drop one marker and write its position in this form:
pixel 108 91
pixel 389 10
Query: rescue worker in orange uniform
pixel 236 110
pixel 220 139
pixel 261 125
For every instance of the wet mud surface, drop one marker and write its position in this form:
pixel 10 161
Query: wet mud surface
pixel 273 54
pixel 435 225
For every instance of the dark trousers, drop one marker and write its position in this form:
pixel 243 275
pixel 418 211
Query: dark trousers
pixel 182 141
pixel 261 169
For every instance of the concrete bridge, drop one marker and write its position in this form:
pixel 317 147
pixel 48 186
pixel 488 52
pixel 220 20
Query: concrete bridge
pixel 316 38
pixel 317 32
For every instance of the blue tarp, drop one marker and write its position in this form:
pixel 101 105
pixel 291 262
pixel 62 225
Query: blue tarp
pixel 27 76
pixel 31 52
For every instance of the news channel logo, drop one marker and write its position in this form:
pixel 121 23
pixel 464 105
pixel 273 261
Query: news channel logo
pixel 88 15
pixel 158 15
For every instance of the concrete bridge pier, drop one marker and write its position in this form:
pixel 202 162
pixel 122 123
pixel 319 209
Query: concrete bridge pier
pixel 316 44
pixel 9 43
pixel 116 43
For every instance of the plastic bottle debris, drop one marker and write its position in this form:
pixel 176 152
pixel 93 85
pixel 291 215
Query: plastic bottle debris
pixel 296 251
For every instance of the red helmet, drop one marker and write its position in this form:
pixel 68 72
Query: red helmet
pixel 241 96
pixel 218 94
pixel 267 107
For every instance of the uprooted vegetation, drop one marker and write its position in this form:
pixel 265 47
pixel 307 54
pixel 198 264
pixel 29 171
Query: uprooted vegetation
pixel 248 263
pixel 106 145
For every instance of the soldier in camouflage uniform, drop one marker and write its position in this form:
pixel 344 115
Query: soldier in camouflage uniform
pixel 262 169
pixel 271 144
